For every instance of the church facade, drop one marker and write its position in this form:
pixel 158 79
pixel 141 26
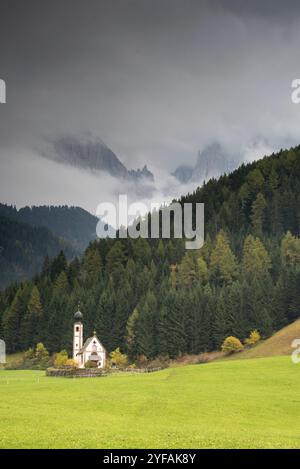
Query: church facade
pixel 89 351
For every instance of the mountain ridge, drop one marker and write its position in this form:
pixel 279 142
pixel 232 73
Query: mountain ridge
pixel 212 161
pixel 23 249
pixel 94 155
pixel 74 224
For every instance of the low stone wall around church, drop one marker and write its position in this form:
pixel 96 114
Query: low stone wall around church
pixel 93 372
pixel 76 372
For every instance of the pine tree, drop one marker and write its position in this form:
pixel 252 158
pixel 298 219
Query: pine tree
pixel 273 180
pixel 256 260
pixel 172 339
pixel 33 320
pixel 188 270
pixel 199 305
pixel 280 306
pixel 202 270
pixel 142 251
pixel 258 305
pixel 91 266
pixel 223 265
pixel 116 257
pixel 58 314
pixel 236 320
pixel 258 214
pixel 275 216
pixel 123 306
pixel 160 252
pixel 255 180
pixel 13 317
pixel 146 330
pixel 220 325
pixel 290 250
pixel 131 332
pixel 105 319
pixel 59 264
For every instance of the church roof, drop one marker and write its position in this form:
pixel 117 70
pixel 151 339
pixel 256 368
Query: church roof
pixel 87 343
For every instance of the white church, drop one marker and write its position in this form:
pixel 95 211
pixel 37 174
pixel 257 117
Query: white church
pixel 91 350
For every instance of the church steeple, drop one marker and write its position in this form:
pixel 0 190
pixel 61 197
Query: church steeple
pixel 77 335
pixel 78 315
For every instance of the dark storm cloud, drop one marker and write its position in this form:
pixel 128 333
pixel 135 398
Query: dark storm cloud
pixel 155 79
pixel 270 10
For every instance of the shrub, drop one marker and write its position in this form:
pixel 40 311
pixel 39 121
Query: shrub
pixel 132 366
pixel 41 356
pixel 107 365
pixel 29 354
pixel 37 359
pixel 142 361
pixel 60 359
pixel 232 344
pixel 203 358
pixel 118 358
pixel 70 363
pixel 161 361
pixel 253 338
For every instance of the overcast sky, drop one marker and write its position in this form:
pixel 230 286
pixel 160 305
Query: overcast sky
pixel 156 80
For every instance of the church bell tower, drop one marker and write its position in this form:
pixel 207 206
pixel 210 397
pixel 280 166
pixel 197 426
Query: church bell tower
pixel 77 335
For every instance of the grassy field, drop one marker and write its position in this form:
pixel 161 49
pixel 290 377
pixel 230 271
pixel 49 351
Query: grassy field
pixel 228 404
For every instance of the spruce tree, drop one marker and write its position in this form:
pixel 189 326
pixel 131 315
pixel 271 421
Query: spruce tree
pixel 33 320
pixel 223 266
pixel 258 214
pixel 256 260
pixel 146 328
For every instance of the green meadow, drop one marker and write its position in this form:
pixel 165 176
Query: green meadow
pixel 252 403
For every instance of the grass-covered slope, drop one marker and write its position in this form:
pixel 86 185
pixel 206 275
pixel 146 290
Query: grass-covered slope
pixel 197 406
pixel 277 344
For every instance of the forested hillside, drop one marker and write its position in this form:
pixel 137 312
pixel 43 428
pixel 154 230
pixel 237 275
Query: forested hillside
pixel 153 297
pixel 70 223
pixel 23 249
